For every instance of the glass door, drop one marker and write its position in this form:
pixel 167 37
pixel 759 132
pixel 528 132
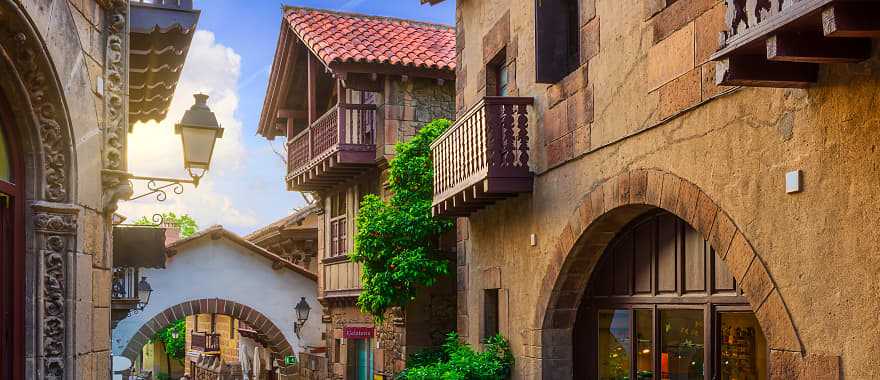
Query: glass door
pixel 360 359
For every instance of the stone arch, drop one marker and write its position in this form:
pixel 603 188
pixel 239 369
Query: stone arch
pixel 29 81
pixel 275 338
pixel 598 218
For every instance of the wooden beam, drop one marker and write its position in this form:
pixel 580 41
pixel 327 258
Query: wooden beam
pixel 311 88
pixel 757 71
pixel 789 47
pixel 851 19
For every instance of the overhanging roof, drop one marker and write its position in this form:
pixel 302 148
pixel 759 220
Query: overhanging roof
pixel 138 246
pixel 160 37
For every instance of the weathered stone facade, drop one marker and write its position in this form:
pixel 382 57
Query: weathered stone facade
pixel 642 125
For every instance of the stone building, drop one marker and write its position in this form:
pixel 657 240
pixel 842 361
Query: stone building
pixel 637 197
pixel 344 88
pixel 67 97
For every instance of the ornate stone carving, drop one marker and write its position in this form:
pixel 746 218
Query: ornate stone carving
pixel 56 230
pixel 45 101
pixel 114 178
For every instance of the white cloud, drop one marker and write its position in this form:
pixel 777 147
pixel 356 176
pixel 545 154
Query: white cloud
pixel 154 149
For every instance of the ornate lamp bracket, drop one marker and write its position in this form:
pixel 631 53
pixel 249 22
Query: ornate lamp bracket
pixel 160 186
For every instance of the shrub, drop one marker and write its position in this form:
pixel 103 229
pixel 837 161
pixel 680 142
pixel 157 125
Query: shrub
pixel 460 362
pixel 395 240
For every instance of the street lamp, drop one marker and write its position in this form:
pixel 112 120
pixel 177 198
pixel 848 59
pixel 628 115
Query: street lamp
pixel 302 315
pixel 198 130
pixel 144 291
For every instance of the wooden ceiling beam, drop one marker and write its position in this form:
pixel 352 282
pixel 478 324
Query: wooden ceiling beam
pixel 757 71
pixel 790 47
pixel 851 19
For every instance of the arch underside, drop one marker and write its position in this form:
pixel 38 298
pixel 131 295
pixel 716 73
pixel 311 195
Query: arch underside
pixel 276 341
pixel 602 214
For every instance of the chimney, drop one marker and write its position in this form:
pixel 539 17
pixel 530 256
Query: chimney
pixel 172 232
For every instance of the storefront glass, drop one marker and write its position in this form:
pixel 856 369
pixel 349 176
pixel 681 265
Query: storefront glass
pixel 614 344
pixel 681 344
pixel 742 347
pixel 644 344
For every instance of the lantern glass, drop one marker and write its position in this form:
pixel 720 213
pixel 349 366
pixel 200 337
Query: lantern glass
pixel 198 146
pixel 302 310
pixel 144 291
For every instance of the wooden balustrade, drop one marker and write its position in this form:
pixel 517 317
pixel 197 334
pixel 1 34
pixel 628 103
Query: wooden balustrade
pixel 483 157
pixel 780 43
pixel 205 342
pixel 333 148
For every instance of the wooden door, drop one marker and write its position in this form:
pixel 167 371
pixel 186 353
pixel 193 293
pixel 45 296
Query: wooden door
pixel 11 256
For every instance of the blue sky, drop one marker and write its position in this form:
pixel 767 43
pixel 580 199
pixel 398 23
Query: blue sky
pixel 230 60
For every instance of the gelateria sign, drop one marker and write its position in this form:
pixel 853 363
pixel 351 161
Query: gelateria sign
pixel 356 332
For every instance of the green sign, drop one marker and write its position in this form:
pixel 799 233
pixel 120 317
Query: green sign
pixel 289 360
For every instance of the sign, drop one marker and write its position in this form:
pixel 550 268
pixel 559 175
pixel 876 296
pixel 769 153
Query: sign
pixel 290 360
pixel 351 332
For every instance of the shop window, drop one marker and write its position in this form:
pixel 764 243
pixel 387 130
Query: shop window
pixel 490 313
pixel 742 347
pixel 615 337
pixel 681 344
pixel 644 343
pixel 557 39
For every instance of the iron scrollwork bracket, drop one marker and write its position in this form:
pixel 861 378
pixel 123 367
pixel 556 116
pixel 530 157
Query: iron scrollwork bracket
pixel 161 186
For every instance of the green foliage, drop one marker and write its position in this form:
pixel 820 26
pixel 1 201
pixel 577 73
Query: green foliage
pixel 174 347
pixel 185 222
pixel 163 376
pixel 458 361
pixel 395 239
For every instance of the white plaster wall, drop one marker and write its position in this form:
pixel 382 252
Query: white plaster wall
pixel 222 269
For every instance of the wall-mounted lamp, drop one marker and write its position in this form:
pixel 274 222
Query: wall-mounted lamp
pixel 302 315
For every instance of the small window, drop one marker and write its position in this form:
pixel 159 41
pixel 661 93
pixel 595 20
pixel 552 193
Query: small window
pixel 490 313
pixel 337 204
pixel 337 344
pixel 497 75
pixel 557 39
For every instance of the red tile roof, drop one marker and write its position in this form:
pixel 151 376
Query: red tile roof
pixel 346 37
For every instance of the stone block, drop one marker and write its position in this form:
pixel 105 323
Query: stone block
pixel 739 257
pixel 496 39
pixel 84 278
pixel 680 94
pixel 706 210
pixel 588 11
pixel 102 365
pixel 784 364
pixel 706 29
pixel 83 329
pixel 585 211
pixel 555 122
pixel 611 194
pixel 492 278
pixel 85 367
pixel 677 15
pixel 101 280
pixel 652 7
pixel 687 202
pixel 578 79
pixel 597 201
pixel 590 43
pixel 776 324
pixel 654 187
pixel 462 325
pixel 710 88
pixel 462 278
pixel 555 94
pixel 722 232
pixel 671 58
pixel 669 194
pixel 560 150
pixel 580 108
pixel 101 328
pixel 756 283
pixel 820 367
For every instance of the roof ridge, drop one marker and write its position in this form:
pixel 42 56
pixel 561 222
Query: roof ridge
pixel 287 8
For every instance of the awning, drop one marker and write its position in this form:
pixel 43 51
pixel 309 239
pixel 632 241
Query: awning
pixel 138 247
pixel 160 36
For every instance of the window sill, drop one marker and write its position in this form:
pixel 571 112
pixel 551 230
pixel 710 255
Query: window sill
pixel 336 259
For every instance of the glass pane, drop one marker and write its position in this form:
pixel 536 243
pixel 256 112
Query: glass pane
pixel 743 348
pixel 644 344
pixel 681 344
pixel 5 160
pixel 615 343
pixel 502 81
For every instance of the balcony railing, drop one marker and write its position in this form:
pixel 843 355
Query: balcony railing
pixel 483 157
pixel 205 342
pixel 780 43
pixel 334 148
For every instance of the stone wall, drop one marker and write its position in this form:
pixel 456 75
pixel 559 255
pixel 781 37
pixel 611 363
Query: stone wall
pixel 644 99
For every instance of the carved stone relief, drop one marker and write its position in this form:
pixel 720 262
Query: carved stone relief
pixel 114 177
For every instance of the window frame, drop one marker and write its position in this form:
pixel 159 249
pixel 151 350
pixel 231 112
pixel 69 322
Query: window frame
pixel 557 39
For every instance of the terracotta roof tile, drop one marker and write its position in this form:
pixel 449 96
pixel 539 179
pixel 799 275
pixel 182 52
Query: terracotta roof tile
pixel 346 37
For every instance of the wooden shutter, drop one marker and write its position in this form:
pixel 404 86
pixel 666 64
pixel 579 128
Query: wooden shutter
pixel 552 35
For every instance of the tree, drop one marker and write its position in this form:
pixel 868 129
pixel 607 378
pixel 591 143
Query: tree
pixel 175 347
pixel 396 240
pixel 185 222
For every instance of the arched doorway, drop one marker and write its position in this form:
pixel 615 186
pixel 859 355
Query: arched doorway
pixel 11 240
pixel 662 305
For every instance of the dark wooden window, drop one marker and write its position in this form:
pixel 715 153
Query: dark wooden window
pixel 338 225
pixel 497 75
pixel 662 305
pixel 490 313
pixel 557 39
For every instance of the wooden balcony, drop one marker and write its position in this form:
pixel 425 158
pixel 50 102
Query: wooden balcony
pixel 341 278
pixel 336 147
pixel 483 157
pixel 781 43
pixel 205 343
